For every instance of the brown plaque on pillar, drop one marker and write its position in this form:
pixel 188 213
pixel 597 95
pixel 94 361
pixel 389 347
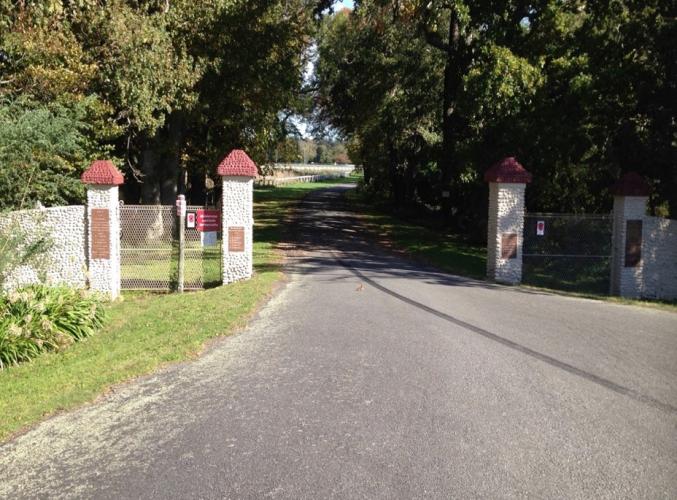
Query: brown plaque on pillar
pixel 633 243
pixel 236 239
pixel 508 246
pixel 100 233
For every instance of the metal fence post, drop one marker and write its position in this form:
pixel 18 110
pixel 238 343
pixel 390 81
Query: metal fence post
pixel 181 213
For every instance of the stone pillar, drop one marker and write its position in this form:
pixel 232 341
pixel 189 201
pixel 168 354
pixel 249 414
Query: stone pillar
pixel 103 227
pixel 237 172
pixel 631 194
pixel 507 181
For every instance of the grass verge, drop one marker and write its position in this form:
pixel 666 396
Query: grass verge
pixel 146 331
pixel 448 252
pixel 454 254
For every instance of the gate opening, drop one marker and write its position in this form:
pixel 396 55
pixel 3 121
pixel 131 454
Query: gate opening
pixel 149 251
pixel 569 252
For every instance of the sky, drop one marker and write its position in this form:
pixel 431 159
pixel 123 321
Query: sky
pixel 300 123
pixel 343 3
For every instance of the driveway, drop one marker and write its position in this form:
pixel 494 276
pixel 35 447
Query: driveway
pixel 368 376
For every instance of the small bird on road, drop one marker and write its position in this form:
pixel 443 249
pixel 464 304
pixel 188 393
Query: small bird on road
pixel 359 288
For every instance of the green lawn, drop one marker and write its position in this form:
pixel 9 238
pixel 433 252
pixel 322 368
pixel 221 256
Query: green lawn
pixel 589 276
pixel 146 331
pixel 447 251
pixel 157 267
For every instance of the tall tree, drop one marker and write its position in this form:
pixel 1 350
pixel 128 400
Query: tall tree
pixel 171 85
pixel 579 91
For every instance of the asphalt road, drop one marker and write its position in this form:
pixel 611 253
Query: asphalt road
pixel 367 376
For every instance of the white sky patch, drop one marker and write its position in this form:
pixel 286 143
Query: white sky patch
pixel 299 122
pixel 344 3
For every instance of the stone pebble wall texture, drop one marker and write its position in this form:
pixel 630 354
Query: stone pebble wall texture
pixel 625 281
pixel 104 274
pixel 655 277
pixel 66 260
pixel 238 205
pixel 506 215
pixel 659 257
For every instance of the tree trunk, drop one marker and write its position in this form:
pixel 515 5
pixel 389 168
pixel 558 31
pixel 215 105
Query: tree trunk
pixel 160 163
pixel 150 189
pixel 455 67
pixel 672 195
pixel 367 174
pixel 392 174
pixel 171 169
pixel 453 78
pixel 408 188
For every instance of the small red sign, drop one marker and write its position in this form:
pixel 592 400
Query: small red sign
pixel 208 220
pixel 540 228
pixel 190 220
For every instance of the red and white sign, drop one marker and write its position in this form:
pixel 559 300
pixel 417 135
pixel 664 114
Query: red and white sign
pixel 540 228
pixel 190 220
pixel 208 220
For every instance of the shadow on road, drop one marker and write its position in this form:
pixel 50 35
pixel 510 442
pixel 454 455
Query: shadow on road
pixel 324 229
pixel 325 234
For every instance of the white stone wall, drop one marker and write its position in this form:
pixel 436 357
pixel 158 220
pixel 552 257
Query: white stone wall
pixel 238 211
pixel 66 260
pixel 655 276
pixel 659 258
pixel 626 281
pixel 506 215
pixel 104 274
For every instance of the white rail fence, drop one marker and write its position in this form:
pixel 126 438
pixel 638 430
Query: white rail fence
pixel 278 181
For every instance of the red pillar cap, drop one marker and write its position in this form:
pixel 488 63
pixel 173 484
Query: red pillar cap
pixel 237 163
pixel 102 172
pixel 631 184
pixel 508 170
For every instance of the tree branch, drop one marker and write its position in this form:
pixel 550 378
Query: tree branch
pixel 433 38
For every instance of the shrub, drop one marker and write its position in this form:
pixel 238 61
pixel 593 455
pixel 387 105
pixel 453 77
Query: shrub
pixel 19 247
pixel 40 318
pixel 43 151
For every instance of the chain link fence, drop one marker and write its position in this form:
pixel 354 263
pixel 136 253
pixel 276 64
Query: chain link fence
pixel 150 251
pixel 567 251
pixel 202 258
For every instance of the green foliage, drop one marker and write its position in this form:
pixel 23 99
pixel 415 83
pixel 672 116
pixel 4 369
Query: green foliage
pixel 18 248
pixel 292 150
pixel 171 86
pixel 499 84
pixel 430 94
pixel 44 63
pixel 43 151
pixel 39 318
pixel 380 87
pixel 287 151
pixel 141 72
